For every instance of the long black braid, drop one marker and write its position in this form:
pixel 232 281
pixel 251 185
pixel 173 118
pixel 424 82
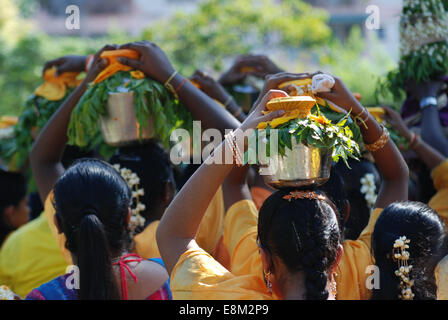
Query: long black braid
pixel 305 235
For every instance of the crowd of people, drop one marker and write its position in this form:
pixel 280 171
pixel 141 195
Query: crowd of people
pixel 217 231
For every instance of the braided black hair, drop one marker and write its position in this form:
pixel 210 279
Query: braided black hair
pixel 420 224
pixel 305 235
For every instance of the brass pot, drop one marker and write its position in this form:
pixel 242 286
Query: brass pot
pixel 120 127
pixel 300 168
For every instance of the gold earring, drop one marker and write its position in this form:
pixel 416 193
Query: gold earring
pixel 267 278
pixel 333 285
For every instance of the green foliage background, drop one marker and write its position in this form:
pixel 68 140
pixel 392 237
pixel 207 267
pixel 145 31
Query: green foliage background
pixel 209 39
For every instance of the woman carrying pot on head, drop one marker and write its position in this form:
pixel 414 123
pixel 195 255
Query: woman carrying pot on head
pixel 313 235
pixel 92 203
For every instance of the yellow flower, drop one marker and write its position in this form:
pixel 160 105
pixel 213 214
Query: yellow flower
pixel 321 119
pixel 137 74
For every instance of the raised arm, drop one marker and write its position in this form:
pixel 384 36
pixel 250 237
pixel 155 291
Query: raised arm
pixel 155 64
pixel 178 227
pixel 430 156
pixel 216 91
pixel 47 151
pixel 432 130
pixel 390 163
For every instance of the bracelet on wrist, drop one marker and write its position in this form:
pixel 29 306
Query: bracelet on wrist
pixel 428 102
pixel 169 86
pixel 359 120
pixel 381 142
pixel 414 141
pixel 232 143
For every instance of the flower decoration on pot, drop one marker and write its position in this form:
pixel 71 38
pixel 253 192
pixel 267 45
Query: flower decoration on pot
pixel 152 103
pixel 38 110
pixel 423 45
pixel 311 121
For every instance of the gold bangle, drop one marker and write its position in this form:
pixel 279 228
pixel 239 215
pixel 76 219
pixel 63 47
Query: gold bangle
pixel 380 143
pixel 169 86
pixel 359 120
pixel 226 104
pixel 237 113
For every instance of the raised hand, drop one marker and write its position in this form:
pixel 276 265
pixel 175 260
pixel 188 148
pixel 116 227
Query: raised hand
pixel 153 61
pixel 263 65
pixel 70 63
pixel 393 118
pixel 273 81
pixel 209 86
pixel 256 116
pixel 342 96
pixel 98 64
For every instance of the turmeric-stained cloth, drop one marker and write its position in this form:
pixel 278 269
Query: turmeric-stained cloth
pixel 114 65
pixel 197 276
pixel 441 274
pixel 55 87
pixel 440 200
pixel 240 235
pixel 209 233
pixel 30 257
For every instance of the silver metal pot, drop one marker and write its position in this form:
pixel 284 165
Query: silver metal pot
pixel 120 127
pixel 302 167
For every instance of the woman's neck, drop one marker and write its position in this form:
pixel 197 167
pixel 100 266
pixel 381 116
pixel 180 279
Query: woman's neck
pixel 294 289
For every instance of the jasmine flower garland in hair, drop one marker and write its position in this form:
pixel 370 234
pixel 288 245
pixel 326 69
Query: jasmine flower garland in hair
pixel 133 182
pixel 368 188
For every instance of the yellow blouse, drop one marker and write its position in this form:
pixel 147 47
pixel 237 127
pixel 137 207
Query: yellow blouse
pixel 441 274
pixel 30 257
pixel 197 276
pixel 240 234
pixel 440 200
pixel 209 233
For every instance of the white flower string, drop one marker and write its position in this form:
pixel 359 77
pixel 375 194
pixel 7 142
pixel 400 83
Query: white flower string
pixel 401 256
pixel 368 188
pixel 133 181
pixel 420 31
pixel 6 293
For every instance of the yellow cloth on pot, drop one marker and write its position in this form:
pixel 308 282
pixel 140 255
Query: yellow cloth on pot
pixel 55 87
pixel 114 65
pixel 295 107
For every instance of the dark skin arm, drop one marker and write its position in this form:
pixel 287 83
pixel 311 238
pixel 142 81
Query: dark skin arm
pixel 432 130
pixel 430 156
pixel 216 91
pixel 47 151
pixel 262 67
pixel 390 163
pixel 235 186
pixel 155 64
pixel 178 227
pixel 70 63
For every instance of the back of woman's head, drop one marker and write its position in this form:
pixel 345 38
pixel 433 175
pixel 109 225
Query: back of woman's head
pixel 304 234
pixel 92 202
pixel 423 227
pixel 13 188
pixel 359 207
pixel 152 165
